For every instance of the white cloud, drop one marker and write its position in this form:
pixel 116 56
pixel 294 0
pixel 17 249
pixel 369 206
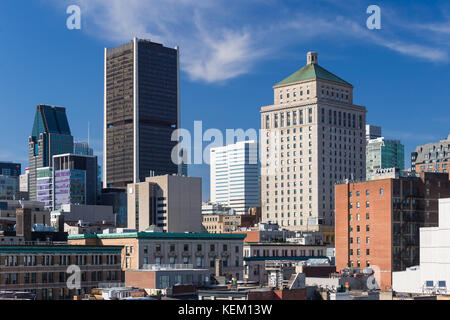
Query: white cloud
pixel 220 40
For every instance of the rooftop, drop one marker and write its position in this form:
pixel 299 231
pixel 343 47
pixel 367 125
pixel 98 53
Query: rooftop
pixel 312 71
pixel 59 249
pixel 160 235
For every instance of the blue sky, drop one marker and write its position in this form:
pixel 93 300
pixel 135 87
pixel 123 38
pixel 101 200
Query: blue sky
pixel 232 53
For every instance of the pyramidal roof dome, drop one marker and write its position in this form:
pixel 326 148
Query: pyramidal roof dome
pixel 312 70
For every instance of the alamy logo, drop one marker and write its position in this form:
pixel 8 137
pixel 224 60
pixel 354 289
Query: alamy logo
pixel 74 280
pixel 74 20
pixel 374 21
pixel 373 281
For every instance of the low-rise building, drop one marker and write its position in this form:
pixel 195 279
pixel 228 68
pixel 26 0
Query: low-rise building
pixel 432 275
pixel 258 255
pixel 163 278
pixel 432 157
pixel 44 270
pixel 203 250
pixel 39 215
pixel 85 213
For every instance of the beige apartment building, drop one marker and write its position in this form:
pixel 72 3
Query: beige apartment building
pixel 201 250
pixel 312 136
pixel 170 202
pixel 221 223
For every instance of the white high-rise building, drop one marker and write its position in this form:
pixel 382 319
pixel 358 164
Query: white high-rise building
pixel 312 137
pixel 235 175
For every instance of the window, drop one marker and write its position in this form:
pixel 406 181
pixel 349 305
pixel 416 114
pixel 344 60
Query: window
pixel 381 191
pixel 164 282
pixel 199 263
pixel 367 204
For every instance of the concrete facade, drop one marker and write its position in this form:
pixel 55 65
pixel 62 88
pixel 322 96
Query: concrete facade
pixel 173 203
pixel 257 255
pixel 312 136
pixel 200 249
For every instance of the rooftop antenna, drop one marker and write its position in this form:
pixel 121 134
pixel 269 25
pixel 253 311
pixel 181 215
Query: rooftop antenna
pixel 89 125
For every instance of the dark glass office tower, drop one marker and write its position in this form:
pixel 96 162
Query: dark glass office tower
pixel 141 111
pixel 50 136
pixel 10 169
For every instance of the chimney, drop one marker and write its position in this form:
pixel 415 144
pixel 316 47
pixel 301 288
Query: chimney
pixel 23 223
pixel 312 58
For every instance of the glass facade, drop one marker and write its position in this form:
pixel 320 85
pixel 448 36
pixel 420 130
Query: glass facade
pixel 9 187
pixel 50 136
pixel 138 129
pixel 10 169
pixel 70 187
pixel 75 180
pixel 82 148
pixel 383 154
pixel 44 185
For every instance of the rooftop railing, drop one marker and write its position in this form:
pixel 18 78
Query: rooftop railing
pixel 157 267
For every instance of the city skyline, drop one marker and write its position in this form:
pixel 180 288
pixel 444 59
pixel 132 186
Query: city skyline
pixel 74 72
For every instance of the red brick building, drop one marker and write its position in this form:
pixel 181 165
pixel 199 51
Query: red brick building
pixel 378 221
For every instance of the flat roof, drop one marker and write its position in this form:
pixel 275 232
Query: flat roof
pixel 305 258
pixel 288 244
pixel 160 235
pixel 60 249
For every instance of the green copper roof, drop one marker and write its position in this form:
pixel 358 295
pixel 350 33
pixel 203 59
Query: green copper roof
pixel 309 72
pixel 162 235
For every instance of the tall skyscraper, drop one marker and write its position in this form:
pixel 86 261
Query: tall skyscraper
pixel 50 136
pixel 312 136
pixel 382 154
pixel 141 111
pixel 234 176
